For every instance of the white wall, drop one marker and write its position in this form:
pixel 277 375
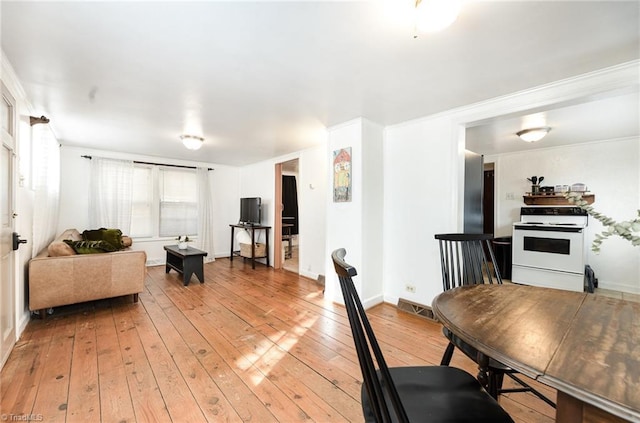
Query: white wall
pixel 421 200
pixel 74 197
pixel 611 171
pixel 312 200
pixel 372 210
pixel 258 180
pixel 423 182
pixel 357 225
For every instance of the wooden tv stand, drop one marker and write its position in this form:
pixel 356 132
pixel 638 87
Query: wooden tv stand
pixel 252 229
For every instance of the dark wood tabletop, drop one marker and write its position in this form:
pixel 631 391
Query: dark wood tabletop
pixel 587 346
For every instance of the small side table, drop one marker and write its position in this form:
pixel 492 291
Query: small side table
pixel 187 262
pixel 252 229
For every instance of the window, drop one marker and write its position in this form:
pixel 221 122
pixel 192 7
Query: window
pixel 164 202
pixel 178 203
pixel 142 202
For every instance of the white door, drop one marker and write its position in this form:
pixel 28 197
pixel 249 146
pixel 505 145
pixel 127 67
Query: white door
pixel 7 274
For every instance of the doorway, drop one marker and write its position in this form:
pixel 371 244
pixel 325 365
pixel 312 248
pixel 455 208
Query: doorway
pixel 488 199
pixel 287 227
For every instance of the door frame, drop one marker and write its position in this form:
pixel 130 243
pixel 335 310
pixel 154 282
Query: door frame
pixel 8 141
pixel 277 222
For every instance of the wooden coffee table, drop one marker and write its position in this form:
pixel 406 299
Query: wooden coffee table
pixel 187 262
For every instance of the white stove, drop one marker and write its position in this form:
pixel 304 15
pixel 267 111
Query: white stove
pixel 549 247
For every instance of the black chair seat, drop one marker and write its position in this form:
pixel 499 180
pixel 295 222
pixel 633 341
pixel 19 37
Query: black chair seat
pixel 439 394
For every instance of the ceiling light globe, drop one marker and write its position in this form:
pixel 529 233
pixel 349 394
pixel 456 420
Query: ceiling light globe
pixel 436 15
pixel 533 134
pixel 192 142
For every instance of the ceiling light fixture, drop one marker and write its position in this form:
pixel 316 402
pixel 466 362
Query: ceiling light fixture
pixel 436 15
pixel 192 142
pixel 533 134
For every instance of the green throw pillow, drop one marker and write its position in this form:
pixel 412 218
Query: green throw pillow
pixel 112 236
pixel 90 247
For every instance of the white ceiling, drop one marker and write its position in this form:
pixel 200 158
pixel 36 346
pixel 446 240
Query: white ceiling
pixel 262 79
pixel 612 117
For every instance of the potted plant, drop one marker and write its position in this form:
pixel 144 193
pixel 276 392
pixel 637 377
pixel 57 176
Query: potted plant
pixel 182 242
pixel 629 229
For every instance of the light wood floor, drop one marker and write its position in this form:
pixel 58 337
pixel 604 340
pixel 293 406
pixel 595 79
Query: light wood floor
pixel 248 345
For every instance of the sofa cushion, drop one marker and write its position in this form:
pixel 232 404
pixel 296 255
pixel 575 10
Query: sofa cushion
pixel 111 236
pixel 59 249
pixel 90 247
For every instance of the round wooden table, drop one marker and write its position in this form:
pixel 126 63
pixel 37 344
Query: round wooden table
pixel 587 346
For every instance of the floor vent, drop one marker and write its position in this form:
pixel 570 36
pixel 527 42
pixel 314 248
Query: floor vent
pixel 415 308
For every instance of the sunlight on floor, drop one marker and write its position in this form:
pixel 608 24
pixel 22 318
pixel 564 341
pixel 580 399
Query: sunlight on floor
pixel 268 352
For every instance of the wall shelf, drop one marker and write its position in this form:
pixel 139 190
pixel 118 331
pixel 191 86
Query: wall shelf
pixel 553 200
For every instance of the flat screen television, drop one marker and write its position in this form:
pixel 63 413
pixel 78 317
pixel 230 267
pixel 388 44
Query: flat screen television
pixel 250 210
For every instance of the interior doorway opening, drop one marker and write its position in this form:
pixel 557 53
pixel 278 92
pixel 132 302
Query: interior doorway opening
pixel 287 225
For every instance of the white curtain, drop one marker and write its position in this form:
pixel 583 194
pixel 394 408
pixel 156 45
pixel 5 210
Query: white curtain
pixel 111 194
pixel 205 214
pixel 45 182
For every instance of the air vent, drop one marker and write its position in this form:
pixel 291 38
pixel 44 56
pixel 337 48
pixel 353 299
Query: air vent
pixel 415 308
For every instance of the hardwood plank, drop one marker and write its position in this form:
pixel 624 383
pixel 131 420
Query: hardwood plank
pixel 244 401
pixel 52 397
pixel 115 397
pixel 277 403
pixel 148 403
pixel 84 395
pixel 20 377
pixel 247 345
pixel 209 397
pixel 177 397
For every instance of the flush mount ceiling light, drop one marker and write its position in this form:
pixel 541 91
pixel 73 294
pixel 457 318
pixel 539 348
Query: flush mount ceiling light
pixel 436 15
pixel 533 134
pixel 192 142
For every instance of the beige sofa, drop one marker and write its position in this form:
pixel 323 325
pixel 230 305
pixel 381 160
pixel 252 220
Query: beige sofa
pixel 57 279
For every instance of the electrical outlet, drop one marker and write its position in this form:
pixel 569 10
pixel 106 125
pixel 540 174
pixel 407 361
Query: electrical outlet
pixel 410 288
pixel 511 196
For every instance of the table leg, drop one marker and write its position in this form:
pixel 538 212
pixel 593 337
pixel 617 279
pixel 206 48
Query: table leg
pixel 231 250
pixel 200 272
pixel 253 248
pixel 267 244
pixel 483 370
pixel 187 277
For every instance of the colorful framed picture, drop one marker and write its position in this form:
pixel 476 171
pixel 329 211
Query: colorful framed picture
pixel 342 175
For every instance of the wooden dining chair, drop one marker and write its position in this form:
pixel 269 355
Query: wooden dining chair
pixel 468 259
pixel 410 394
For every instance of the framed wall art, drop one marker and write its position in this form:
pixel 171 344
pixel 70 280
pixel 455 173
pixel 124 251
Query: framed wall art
pixel 342 175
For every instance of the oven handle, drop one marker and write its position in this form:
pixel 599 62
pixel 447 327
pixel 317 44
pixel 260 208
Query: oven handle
pixel 547 228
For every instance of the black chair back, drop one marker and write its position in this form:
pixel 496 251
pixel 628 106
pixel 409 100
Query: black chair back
pixel 467 259
pixel 365 342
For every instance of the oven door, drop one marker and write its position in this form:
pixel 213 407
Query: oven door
pixel 549 247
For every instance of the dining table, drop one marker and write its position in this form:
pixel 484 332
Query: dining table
pixel 586 346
